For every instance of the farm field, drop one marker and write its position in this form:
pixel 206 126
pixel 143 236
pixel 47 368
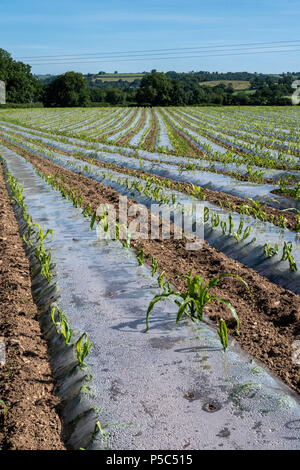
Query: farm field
pixel 241 165
pixel 236 84
pixel 114 77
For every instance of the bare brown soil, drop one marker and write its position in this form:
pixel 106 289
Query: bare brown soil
pixel 270 320
pixel 150 139
pixel 26 385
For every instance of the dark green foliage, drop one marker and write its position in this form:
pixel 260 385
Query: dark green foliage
pixel 21 86
pixel 69 89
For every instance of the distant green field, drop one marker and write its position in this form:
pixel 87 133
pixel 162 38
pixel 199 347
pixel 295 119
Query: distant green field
pixel 237 84
pixel 114 77
pixel 246 92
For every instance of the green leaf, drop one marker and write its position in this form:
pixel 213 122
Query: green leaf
pixel 154 301
pixel 182 308
pixel 222 332
pixel 4 407
pixel 232 309
pixel 93 220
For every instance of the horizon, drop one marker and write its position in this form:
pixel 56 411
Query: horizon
pixel 255 36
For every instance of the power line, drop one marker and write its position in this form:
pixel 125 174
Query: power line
pixel 157 50
pixel 165 58
pixel 153 56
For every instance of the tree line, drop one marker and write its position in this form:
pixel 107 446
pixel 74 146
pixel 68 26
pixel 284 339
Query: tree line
pixel 154 88
pixel 157 89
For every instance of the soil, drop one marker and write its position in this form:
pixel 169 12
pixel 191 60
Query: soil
pixel 150 140
pixel 269 321
pixel 26 386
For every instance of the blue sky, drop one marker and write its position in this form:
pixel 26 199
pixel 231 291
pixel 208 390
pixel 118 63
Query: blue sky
pixel 33 28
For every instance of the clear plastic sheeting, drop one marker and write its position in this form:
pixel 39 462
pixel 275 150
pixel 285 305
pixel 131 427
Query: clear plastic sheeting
pixel 274 269
pixel 163 139
pixel 167 389
pixel 156 165
pixel 136 139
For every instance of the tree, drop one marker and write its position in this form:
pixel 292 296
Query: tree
pixel 115 96
pixel 155 90
pixel 69 89
pixel 177 93
pixel 21 85
pixel 96 94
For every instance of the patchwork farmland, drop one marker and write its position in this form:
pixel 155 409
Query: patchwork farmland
pixel 106 303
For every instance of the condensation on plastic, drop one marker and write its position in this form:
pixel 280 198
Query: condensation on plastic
pixel 136 139
pixel 163 139
pixel 114 151
pixel 249 254
pixel 169 388
pixel 236 143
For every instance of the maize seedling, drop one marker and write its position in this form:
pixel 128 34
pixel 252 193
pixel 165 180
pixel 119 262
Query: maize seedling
pixel 222 332
pixel 2 403
pixel 197 295
pixel 270 251
pixel 140 256
pixel 98 429
pixel 61 325
pixel 83 346
pixel 154 265
pixel 160 279
pixel 287 255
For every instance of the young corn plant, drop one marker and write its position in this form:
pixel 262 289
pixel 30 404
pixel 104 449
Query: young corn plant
pixel 3 405
pixel 83 346
pixel 44 259
pixel 42 234
pixel 297 228
pixel 222 332
pixel 231 224
pixel 223 225
pixel 206 214
pixel 197 295
pixel 126 242
pixel 93 219
pixel 281 222
pixel 140 257
pixel 154 266
pixel 87 211
pixel 269 251
pixel 61 324
pixel 98 428
pixel 160 279
pixel 287 255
